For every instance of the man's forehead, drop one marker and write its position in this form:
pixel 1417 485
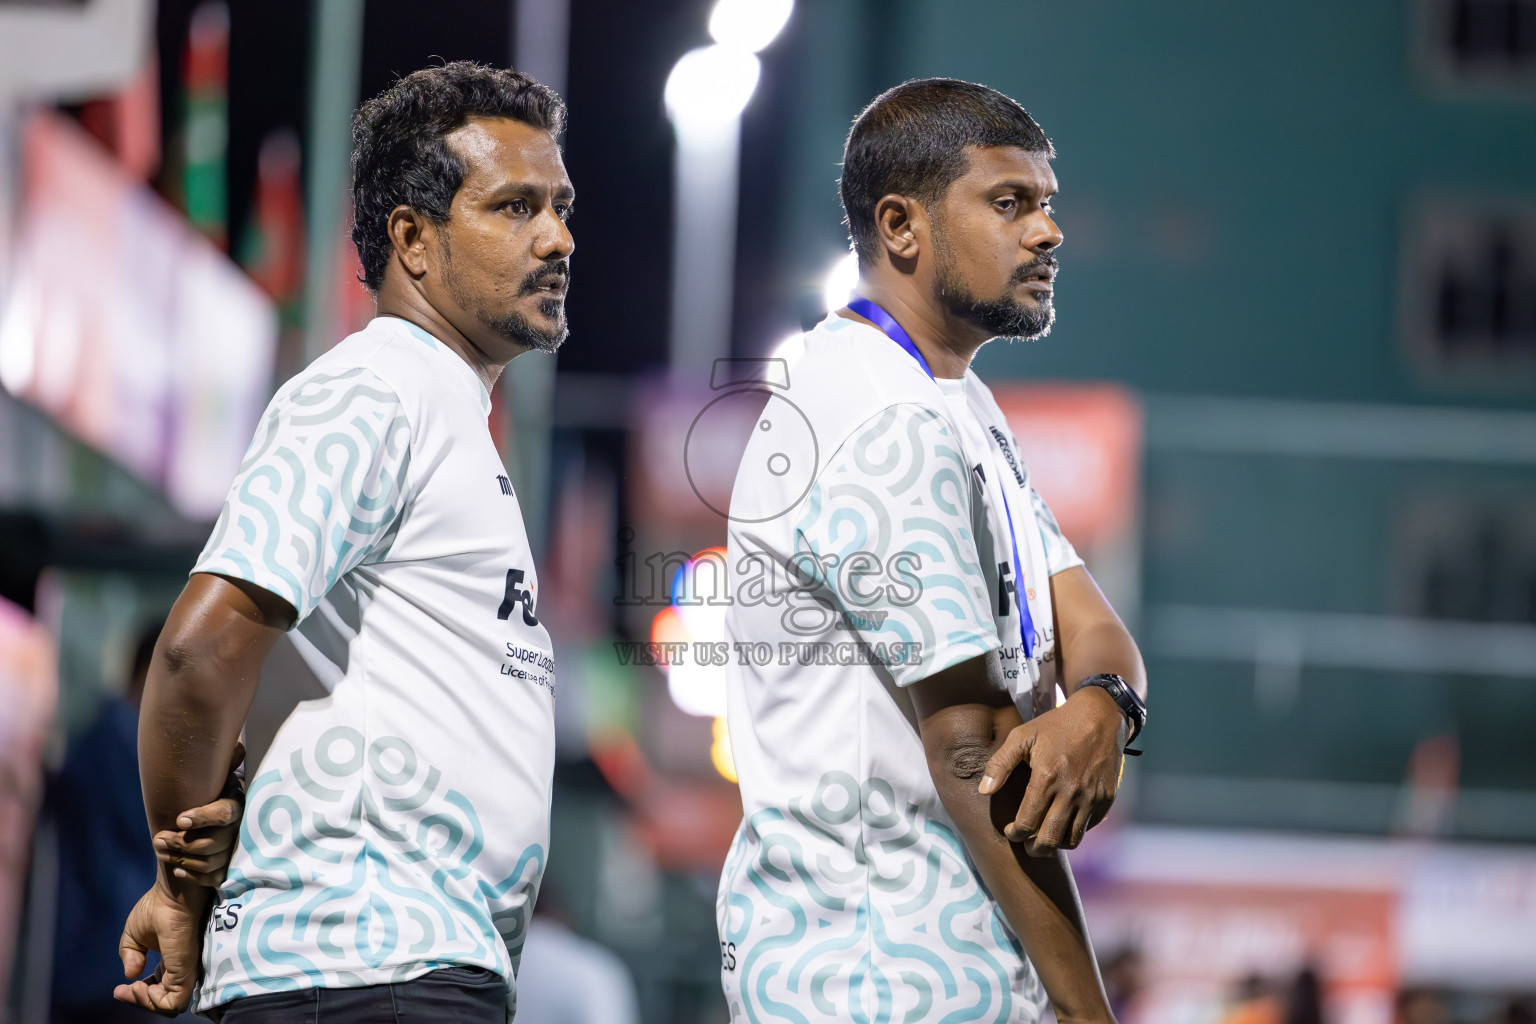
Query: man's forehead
pixel 991 164
pixel 496 148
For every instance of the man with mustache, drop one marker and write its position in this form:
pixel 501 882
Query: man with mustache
pixel 908 784
pixel 396 831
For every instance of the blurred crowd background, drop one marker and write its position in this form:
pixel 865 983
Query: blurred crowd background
pixel 1288 412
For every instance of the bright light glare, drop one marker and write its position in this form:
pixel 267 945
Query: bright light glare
pixel 842 279
pixel 720 751
pixel 790 349
pixel 709 87
pixel 748 24
pixel 697 689
pixel 700 593
pixel 17 351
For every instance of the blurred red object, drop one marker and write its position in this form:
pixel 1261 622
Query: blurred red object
pixel 687 825
pixel 205 130
pixel 129 123
pixel 1429 798
pixel 274 246
pixel 1082 443
pixel 354 303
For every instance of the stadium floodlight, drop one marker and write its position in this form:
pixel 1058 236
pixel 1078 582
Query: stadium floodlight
pixel 748 25
pixel 841 280
pixel 705 95
pixel 709 88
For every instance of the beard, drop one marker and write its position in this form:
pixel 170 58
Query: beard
pixel 518 329
pixel 1002 317
pixel 515 327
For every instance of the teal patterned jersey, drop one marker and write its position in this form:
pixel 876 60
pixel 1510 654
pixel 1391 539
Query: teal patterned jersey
pixel 400 824
pixel 847 894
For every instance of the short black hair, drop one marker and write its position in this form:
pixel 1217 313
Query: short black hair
pixel 399 157
pixel 911 141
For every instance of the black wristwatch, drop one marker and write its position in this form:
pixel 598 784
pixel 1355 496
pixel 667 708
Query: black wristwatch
pixel 1126 699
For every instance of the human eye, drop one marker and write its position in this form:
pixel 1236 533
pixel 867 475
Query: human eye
pixel 564 211
pixel 1006 204
pixel 516 206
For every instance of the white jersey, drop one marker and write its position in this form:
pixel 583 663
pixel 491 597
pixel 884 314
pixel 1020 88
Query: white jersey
pixel 400 824
pixel 847 894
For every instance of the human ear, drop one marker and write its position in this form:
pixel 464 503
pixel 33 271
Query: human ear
pixel 407 233
pixel 898 220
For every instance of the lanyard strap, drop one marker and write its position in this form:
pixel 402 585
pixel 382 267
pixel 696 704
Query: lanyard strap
pixel 888 325
pixel 1020 595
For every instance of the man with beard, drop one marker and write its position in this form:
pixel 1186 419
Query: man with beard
pixel 909 786
pixel 395 832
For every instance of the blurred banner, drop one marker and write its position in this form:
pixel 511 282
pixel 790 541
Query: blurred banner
pixel 29 688
pixel 1215 918
pixel 1082 444
pixel 130 329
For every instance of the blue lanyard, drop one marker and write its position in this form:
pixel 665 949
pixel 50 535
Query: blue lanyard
pixel 887 323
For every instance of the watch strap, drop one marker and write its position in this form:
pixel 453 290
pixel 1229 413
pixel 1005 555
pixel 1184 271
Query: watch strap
pixel 1126 699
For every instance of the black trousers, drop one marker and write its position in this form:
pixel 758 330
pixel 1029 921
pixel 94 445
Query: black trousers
pixel 462 995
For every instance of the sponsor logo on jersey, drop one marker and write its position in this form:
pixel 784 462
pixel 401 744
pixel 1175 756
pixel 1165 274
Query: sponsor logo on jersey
pixel 1013 463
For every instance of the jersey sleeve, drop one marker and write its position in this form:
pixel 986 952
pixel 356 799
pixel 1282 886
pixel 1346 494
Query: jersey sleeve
pixel 320 490
pixel 1060 555
pixel 888 534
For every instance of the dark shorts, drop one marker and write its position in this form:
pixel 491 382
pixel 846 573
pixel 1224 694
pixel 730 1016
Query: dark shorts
pixel 463 995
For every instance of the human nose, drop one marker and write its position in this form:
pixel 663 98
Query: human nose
pixel 556 241
pixel 1044 235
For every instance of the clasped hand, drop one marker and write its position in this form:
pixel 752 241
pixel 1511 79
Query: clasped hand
pixel 169 918
pixel 1073 755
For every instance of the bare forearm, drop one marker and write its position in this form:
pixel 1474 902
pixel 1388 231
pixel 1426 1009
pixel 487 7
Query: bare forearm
pixel 186 738
pixel 200 686
pixel 1036 894
pixel 1103 647
pixel 1092 638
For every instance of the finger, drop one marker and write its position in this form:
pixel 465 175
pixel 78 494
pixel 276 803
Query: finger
pixel 176 979
pixel 1014 751
pixel 136 993
pixel 1054 832
pixel 1100 810
pixel 221 812
pixel 1080 826
pixel 179 862
pixel 194 844
pixel 131 952
pixel 146 993
pixel 211 878
pixel 1038 797
pixel 150 996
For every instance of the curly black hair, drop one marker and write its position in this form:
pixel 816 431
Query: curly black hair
pixel 399 157
pixel 910 141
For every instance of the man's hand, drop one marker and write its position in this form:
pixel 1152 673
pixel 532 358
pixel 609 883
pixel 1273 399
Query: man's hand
pixel 1074 757
pixel 964 716
pixel 173 926
pixel 172 923
pixel 201 850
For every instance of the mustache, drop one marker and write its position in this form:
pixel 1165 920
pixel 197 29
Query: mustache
pixel 1046 260
pixel 557 272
